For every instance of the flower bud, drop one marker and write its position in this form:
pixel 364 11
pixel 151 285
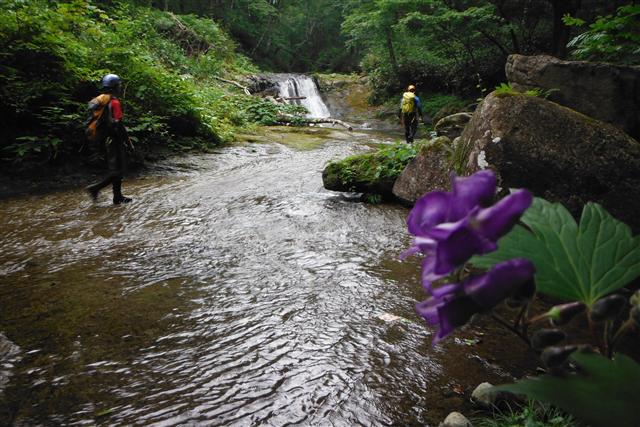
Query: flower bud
pixel 607 308
pixel 553 357
pixel 547 337
pixel 562 314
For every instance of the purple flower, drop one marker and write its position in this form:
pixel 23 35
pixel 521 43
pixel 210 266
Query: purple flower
pixel 502 280
pixel 452 305
pixel 440 207
pixel 450 228
pixel 447 313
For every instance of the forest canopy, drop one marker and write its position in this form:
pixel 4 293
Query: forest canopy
pixel 172 54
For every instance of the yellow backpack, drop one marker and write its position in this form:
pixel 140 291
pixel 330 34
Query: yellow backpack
pixel 408 102
pixel 96 115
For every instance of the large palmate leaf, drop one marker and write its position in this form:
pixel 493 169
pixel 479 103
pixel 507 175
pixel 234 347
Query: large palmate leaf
pixel 603 393
pixel 572 262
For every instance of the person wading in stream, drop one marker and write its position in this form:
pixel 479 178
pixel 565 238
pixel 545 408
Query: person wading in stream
pixel 107 134
pixel 410 111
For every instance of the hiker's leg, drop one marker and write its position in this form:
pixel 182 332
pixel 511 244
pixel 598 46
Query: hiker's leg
pixel 407 127
pixel 414 127
pixel 116 157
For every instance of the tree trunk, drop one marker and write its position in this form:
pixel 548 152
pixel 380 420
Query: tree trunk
pixel 287 119
pixel 561 32
pixel 392 52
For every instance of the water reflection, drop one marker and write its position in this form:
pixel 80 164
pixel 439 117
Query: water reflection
pixel 235 290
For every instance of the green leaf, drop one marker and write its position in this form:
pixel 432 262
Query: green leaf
pixel 603 393
pixel 582 263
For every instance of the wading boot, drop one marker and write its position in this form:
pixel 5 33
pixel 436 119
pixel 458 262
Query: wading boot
pixel 118 198
pixel 93 192
pixel 121 199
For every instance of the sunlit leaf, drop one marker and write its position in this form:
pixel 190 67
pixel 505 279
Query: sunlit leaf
pixel 573 262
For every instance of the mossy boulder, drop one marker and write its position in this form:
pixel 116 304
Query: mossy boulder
pixel 371 173
pixel 453 125
pixel 607 92
pixel 557 153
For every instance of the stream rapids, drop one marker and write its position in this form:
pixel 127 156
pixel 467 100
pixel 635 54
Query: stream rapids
pixel 234 290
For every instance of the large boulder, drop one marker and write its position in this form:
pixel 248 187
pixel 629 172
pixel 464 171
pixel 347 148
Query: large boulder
pixel 607 92
pixel 557 153
pixel 428 171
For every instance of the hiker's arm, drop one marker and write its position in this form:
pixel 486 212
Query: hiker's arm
pixel 116 121
pixel 419 107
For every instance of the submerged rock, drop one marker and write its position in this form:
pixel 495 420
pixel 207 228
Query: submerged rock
pixel 455 419
pixel 485 395
pixel 607 92
pixel 557 153
pixel 9 356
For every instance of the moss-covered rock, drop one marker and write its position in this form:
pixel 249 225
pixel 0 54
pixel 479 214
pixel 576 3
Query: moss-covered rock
pixel 607 92
pixel 371 173
pixel 453 125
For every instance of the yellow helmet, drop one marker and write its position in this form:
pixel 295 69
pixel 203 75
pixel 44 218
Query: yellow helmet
pixel 411 88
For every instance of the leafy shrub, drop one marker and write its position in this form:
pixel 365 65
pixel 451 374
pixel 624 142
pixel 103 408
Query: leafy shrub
pixel 614 38
pixel 54 54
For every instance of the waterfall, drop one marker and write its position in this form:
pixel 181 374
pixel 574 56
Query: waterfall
pixel 299 85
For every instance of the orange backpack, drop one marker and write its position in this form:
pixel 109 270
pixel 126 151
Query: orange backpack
pixel 95 116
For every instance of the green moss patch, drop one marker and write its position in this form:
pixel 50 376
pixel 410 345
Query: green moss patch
pixel 371 171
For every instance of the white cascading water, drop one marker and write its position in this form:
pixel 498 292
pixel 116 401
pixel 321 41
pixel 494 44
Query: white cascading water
pixel 301 86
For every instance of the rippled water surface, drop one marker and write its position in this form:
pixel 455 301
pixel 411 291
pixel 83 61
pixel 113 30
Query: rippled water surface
pixel 235 290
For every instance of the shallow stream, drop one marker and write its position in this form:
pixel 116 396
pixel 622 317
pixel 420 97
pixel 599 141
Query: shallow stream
pixel 234 290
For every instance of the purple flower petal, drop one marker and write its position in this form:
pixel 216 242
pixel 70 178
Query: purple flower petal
pixel 496 221
pixel 428 275
pixel 429 211
pixel 469 192
pixel 448 289
pixel 501 281
pixel 428 309
pixel 453 313
pixel 459 246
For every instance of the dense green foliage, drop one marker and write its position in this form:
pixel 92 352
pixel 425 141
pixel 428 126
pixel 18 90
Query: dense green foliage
pixel 170 53
pixel 614 38
pixel 456 46
pixel 54 54
pixel 285 35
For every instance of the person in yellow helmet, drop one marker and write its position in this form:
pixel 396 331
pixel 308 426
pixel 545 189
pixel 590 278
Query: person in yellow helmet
pixel 410 111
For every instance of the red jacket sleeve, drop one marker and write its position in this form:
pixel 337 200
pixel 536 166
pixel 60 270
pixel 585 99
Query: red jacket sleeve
pixel 116 110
